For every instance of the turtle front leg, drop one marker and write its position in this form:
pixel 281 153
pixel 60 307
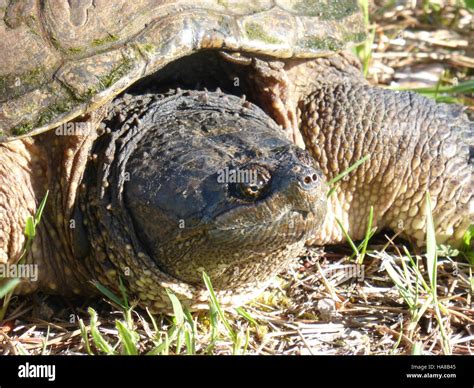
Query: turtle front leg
pixel 414 146
pixel 52 162
pixel 17 197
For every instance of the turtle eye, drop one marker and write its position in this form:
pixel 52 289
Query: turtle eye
pixel 253 185
pixel 252 190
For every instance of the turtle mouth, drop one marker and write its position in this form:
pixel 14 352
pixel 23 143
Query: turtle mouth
pixel 283 212
pixel 304 215
pixel 290 227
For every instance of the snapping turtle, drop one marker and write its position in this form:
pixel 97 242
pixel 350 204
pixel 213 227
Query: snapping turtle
pixel 130 115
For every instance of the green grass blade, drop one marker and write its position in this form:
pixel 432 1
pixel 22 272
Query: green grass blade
pixel 39 211
pixel 417 349
pixel 44 348
pixel 85 337
pixel 215 302
pixel 128 339
pixel 431 251
pixel 348 170
pixel 418 313
pixel 331 191
pixel 460 88
pixel 8 286
pixel 348 238
pixel 109 294
pixel 153 320
pixel 177 307
pixel 30 228
pixel 368 235
pixel 246 315
pixel 399 340
pixel 190 333
pixel 467 249
pixel 213 314
pixel 467 238
pixel 166 345
pixel 416 269
pixel 364 50
pixel 179 340
pixel 409 286
pixel 33 222
pixel 21 350
pixel 397 280
pixel 123 291
pixel 443 93
pixel 189 340
pixel 99 340
pixel 238 343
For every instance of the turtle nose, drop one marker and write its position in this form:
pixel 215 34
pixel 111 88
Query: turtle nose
pixel 308 178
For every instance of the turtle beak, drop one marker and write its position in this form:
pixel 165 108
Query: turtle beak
pixel 302 183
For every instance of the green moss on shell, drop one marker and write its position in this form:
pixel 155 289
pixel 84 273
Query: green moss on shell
pixel 117 72
pixel 22 129
pixel 255 31
pixel 332 44
pixel 147 47
pixel 47 115
pixel 29 80
pixel 110 38
pixel 75 50
pixel 53 111
pixel 322 44
pixel 109 79
pixel 327 10
pixel 356 37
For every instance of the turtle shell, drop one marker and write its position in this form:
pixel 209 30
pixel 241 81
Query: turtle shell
pixel 64 58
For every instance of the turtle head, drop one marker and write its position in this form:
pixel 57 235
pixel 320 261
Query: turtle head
pixel 196 182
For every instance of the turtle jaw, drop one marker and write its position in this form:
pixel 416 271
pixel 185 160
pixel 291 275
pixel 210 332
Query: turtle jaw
pixel 289 214
pixel 245 244
pixel 257 241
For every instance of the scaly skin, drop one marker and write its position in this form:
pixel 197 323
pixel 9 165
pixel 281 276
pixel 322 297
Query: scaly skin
pixel 414 145
pixel 28 169
pixel 17 196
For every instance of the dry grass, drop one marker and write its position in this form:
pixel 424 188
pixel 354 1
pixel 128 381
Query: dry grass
pixel 424 44
pixel 306 311
pixel 309 309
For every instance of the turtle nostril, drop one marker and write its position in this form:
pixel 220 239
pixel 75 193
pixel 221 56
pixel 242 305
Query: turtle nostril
pixel 308 179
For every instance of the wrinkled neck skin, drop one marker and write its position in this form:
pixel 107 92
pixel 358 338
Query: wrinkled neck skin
pixel 61 159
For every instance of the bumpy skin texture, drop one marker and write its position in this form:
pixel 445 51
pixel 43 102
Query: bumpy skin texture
pixel 17 198
pixel 414 145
